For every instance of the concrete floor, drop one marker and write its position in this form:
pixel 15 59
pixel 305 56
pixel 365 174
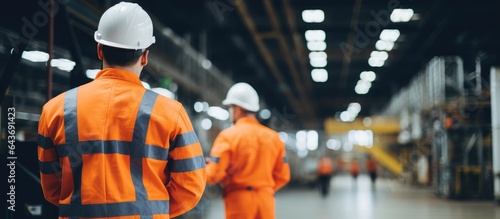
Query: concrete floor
pixel 359 200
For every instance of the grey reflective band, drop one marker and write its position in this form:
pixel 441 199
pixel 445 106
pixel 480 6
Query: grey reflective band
pixel 187 165
pixel 70 120
pixel 74 150
pixel 215 159
pixel 71 135
pixel 45 142
pixel 184 139
pixel 285 160
pixel 52 167
pixel 138 141
pixel 114 209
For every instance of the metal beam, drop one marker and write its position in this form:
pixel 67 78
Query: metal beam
pixel 350 39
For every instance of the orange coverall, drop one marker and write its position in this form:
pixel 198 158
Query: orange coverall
pixel 249 161
pixel 112 149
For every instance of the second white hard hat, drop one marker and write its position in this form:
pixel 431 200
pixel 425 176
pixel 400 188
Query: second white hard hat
pixel 125 25
pixel 243 95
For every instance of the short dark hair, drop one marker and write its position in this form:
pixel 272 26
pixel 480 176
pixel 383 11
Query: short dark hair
pixel 121 57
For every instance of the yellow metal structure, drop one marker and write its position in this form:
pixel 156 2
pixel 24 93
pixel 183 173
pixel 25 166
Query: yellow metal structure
pixel 379 125
pixel 384 158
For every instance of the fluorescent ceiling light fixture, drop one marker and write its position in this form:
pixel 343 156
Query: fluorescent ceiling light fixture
pixel 206 124
pixel 333 144
pixel 368 76
pixel 364 83
pixel 389 35
pixel 301 140
pixel 316 45
pixel 265 114
pixel 401 15
pixel 164 92
pixel 312 140
pixel 384 45
pixel 319 75
pixel 361 137
pixel 374 62
pixel 218 113
pixel 35 56
pixel 198 106
pixel 315 35
pixel 318 63
pixel 346 116
pixel 354 108
pixel 317 55
pixel 283 136
pixel 313 16
pixel 206 64
pixel 302 153
pixel 361 90
pixel 382 55
pixel 91 73
pixel 63 64
pixel 205 106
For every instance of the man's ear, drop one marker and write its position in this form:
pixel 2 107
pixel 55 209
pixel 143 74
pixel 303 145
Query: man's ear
pixel 99 51
pixel 144 58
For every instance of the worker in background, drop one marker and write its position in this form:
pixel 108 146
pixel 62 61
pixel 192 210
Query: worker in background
pixel 113 149
pixel 325 171
pixel 354 168
pixel 247 159
pixel 371 168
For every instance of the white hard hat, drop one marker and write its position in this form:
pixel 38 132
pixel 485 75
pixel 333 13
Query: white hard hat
pixel 243 95
pixel 125 25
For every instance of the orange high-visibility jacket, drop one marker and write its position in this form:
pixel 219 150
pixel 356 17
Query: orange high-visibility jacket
pixel 248 155
pixel 325 166
pixel 111 148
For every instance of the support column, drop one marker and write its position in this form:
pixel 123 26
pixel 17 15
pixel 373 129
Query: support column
pixel 495 125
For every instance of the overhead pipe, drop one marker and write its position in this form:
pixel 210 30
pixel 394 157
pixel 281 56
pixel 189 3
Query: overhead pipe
pixel 242 9
pixel 346 60
pixel 495 126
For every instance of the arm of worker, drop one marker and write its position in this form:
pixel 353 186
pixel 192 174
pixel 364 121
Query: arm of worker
pixel 186 167
pixel 218 162
pixel 50 168
pixel 281 172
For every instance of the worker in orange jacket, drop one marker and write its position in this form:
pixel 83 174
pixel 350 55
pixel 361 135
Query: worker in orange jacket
pixel 248 159
pixel 354 168
pixel 325 171
pixel 113 149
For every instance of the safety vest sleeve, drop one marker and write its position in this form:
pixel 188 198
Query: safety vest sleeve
pixel 187 168
pixel 220 155
pixel 50 169
pixel 281 172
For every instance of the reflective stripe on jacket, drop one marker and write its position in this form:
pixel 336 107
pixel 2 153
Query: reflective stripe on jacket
pixel 248 155
pixel 112 148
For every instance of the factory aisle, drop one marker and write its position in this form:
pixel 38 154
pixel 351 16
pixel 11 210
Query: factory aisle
pixel 388 200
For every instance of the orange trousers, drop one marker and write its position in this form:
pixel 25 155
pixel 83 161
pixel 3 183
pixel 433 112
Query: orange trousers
pixel 250 204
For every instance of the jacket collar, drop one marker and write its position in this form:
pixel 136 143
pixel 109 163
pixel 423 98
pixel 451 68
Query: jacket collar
pixel 115 73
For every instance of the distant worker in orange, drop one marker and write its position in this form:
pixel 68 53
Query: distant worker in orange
pixel 371 168
pixel 112 148
pixel 248 159
pixel 325 171
pixel 354 168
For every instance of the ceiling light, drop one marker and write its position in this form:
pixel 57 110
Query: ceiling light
pixel 312 140
pixel 315 35
pixel 198 107
pixel 313 16
pixel 364 83
pixel 333 144
pixel 354 108
pixel 301 140
pixel 317 55
pixel 389 35
pixel 206 124
pixel 318 63
pixel 361 89
pixel 91 73
pixel 35 56
pixel 206 64
pixel 368 76
pixel 319 75
pixel 401 15
pixel 384 45
pixel 218 113
pixel 63 64
pixel 316 45
pixel 382 55
pixel 265 114
pixel 374 62
pixel 346 117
